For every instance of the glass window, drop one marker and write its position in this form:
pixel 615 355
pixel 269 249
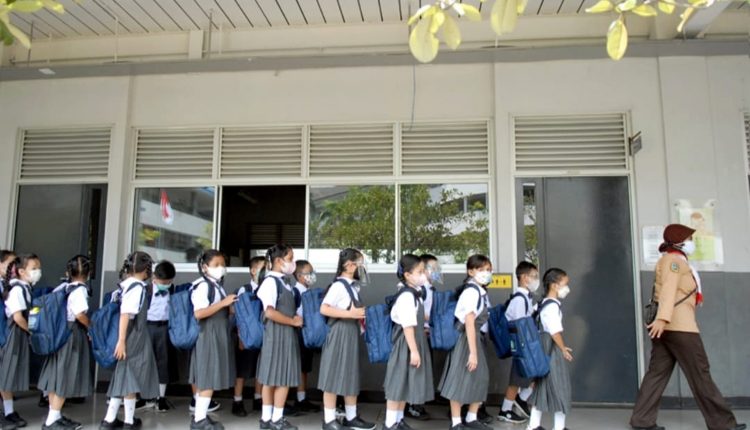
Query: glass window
pixel 450 221
pixel 531 248
pixel 360 217
pixel 174 224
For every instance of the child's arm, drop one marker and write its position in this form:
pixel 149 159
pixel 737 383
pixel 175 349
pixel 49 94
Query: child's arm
pixel 277 317
pixel 216 307
pixel 120 352
pixel 558 339
pixel 471 336
pixel 83 319
pixel 411 340
pixel 21 321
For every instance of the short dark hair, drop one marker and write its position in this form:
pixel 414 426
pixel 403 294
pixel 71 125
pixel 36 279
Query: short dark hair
pixel 426 258
pixel 300 266
pixel 552 276
pixel 5 253
pixel 165 270
pixel 406 264
pixel 255 260
pixel 525 268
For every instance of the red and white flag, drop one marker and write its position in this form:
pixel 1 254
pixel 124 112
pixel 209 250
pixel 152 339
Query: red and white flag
pixel 166 209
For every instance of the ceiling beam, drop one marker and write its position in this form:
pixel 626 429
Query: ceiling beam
pixel 703 18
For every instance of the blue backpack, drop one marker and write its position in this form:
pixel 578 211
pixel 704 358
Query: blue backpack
pixel 183 326
pixel 443 332
pixel 104 329
pixel 528 354
pixel 315 328
pixel 48 321
pixel 379 327
pixel 248 312
pixel 500 327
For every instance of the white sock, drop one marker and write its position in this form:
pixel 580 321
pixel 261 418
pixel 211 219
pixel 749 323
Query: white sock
pixel 471 417
pixel 507 405
pixel 391 418
pixel 237 398
pixel 351 412
pixel 525 393
pixel 201 408
pixel 536 418
pixel 52 417
pixel 129 410
pixel 162 390
pixel 559 421
pixel 455 421
pixel 277 414
pixel 257 396
pixel 329 415
pixel 267 413
pixel 8 407
pixel 301 396
pixel 112 409
pixel 400 416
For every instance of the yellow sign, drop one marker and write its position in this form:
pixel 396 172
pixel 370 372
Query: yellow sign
pixel 501 280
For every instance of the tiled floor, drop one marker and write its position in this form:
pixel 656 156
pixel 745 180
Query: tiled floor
pixel 92 412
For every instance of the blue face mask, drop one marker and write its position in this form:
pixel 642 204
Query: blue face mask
pixel 161 287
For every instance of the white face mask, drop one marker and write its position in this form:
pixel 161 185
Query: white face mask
pixel 483 277
pixel 418 281
pixel 34 276
pixel 217 273
pixel 533 285
pixel 288 268
pixel 563 292
pixel 688 247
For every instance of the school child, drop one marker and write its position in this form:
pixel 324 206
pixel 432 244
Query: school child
pixel 158 327
pixel 305 278
pixel 22 272
pixel 521 305
pixel 408 375
pixel 66 373
pixel 339 361
pixel 246 360
pixel 279 366
pixel 212 358
pixel 135 372
pixel 466 374
pixel 553 392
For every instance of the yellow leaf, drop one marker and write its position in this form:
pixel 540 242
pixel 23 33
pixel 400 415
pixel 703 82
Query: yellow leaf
pixel 626 5
pixel 504 16
pixel 522 6
pixel 645 10
pixel 54 5
pixel 422 11
pixel 601 6
pixel 19 35
pixel 699 3
pixel 472 13
pixel 685 17
pixel 422 43
pixel 451 33
pixel 617 39
pixel 437 21
pixel 27 6
pixel 665 7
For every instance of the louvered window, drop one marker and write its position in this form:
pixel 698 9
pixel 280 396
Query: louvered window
pixel 351 150
pixel 269 151
pixel 747 137
pixel 174 153
pixel 445 148
pixel 570 143
pixel 78 154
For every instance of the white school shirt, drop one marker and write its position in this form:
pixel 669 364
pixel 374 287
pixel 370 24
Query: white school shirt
pixel 551 317
pixel 131 300
pixel 15 301
pixel 159 308
pixel 517 309
pixel 404 311
pixel 78 300
pixel 199 296
pixel 243 289
pixel 428 302
pixel 338 298
pixel 302 289
pixel 467 303
pixel 267 291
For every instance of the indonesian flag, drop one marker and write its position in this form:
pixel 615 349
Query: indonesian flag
pixel 166 209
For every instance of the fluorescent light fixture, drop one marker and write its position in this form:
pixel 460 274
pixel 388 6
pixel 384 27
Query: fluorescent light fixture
pixel 47 71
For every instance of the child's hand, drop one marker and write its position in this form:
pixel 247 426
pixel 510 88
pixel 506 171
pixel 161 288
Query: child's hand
pixel 229 300
pixel 357 313
pixel 472 363
pixel 297 321
pixel 415 360
pixel 120 350
pixel 567 354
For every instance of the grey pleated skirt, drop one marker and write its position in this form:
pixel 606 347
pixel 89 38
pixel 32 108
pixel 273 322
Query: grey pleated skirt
pixel 457 383
pixel 404 382
pixel 14 360
pixel 552 393
pixel 279 364
pixel 137 372
pixel 212 358
pixel 339 360
pixel 67 373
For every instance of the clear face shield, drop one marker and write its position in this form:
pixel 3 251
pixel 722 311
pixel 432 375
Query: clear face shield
pixel 434 272
pixel 361 273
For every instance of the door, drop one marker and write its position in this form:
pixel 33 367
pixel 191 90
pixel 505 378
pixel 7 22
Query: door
pixel 582 225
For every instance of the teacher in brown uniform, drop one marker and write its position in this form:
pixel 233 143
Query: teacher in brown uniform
pixel 675 338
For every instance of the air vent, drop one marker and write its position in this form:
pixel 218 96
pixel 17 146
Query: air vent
pixel 79 154
pixel 747 137
pixel 351 150
pixel 270 151
pixel 174 153
pixel 445 148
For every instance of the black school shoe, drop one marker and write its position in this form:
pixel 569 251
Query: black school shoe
pixel 57 425
pixel 523 407
pixel 483 417
pixel 336 425
pixel 404 426
pixel 137 423
pixel 16 419
pixel 206 424
pixel 265 425
pixel 416 412
pixel 358 424
pixel 73 424
pixel 477 425
pixel 238 409
pixel 306 406
pixel 456 427
pixel 511 417
pixel 114 425
pixel 291 411
pixel 282 424
pixel 6 425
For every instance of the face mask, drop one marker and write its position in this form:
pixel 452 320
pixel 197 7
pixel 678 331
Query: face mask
pixel 217 273
pixel 418 281
pixel 436 275
pixel 688 247
pixel 563 292
pixel 483 277
pixel 161 287
pixel 288 268
pixel 311 279
pixel 34 276
pixel 533 285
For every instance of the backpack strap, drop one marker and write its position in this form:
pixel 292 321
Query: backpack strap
pixel 515 295
pixel 545 303
pixel 349 290
pixel 130 287
pixel 394 298
pixel 476 287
